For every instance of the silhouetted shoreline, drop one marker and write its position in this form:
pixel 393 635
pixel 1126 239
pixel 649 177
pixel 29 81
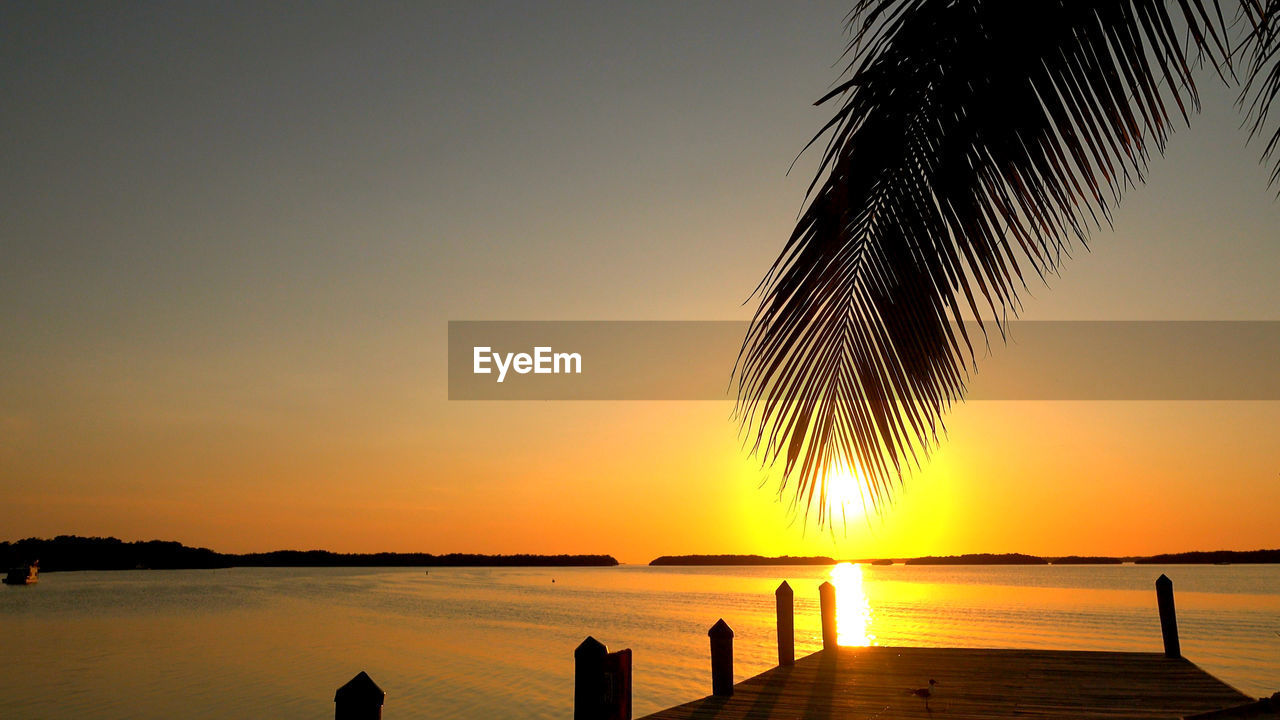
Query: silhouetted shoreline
pixel 324 558
pixel 741 560
pixel 978 559
pixel 72 552
pixel 1216 557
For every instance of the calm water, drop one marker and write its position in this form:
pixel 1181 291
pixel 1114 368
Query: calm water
pixel 493 643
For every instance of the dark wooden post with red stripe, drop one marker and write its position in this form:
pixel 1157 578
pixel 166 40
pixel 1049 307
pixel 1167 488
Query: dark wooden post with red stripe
pixel 617 685
pixel 602 682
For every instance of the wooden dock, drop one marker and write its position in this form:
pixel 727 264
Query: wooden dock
pixel 866 683
pixel 881 683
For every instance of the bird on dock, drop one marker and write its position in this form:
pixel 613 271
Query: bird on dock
pixel 925 692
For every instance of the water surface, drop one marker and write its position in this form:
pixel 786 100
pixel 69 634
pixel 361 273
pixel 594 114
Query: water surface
pixel 493 643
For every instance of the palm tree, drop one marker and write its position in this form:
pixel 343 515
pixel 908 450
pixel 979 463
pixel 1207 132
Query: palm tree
pixel 975 142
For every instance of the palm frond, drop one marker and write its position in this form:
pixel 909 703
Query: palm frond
pixel 1263 48
pixel 974 139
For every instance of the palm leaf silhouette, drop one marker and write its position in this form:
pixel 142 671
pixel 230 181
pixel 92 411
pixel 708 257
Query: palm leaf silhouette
pixel 1263 47
pixel 974 143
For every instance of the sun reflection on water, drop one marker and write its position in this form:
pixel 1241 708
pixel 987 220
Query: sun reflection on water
pixel 853 611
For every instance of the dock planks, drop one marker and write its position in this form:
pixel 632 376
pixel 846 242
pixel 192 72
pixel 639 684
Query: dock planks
pixel 867 683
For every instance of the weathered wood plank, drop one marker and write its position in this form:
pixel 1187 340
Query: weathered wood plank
pixel 876 683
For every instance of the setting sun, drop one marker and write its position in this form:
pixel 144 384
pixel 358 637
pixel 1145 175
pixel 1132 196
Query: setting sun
pixel 844 495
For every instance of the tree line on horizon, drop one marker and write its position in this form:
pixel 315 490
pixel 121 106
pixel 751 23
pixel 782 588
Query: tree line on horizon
pixel 73 552
pixel 1197 557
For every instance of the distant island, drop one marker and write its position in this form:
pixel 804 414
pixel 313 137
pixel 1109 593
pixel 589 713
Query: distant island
pixel 740 560
pixel 324 558
pixel 979 559
pixel 1204 558
pixel 1212 557
pixel 72 552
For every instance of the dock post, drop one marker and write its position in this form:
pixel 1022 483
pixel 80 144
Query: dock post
pixel 588 680
pixel 721 658
pixel 827 601
pixel 1168 619
pixel 786 624
pixel 601 682
pixel 617 685
pixel 359 699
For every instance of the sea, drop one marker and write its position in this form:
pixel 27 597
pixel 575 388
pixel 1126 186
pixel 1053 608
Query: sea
pixel 498 643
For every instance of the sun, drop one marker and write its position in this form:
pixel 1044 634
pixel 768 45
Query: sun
pixel 844 495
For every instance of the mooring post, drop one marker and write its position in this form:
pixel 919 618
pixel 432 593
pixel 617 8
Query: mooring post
pixel 786 625
pixel 589 680
pixel 721 658
pixel 601 682
pixel 1168 618
pixel 827 601
pixel 359 699
pixel 617 685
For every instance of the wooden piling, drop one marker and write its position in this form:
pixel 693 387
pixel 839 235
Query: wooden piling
pixel 1168 618
pixel 721 658
pixel 359 699
pixel 786 624
pixel 827 601
pixel 601 682
pixel 589 680
pixel 617 685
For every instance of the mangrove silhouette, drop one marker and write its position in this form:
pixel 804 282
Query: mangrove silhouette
pixel 1212 557
pixel 72 552
pixel 324 558
pixel 740 560
pixel 979 559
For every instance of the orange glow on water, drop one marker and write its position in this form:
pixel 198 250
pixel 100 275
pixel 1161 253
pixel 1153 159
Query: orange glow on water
pixel 853 611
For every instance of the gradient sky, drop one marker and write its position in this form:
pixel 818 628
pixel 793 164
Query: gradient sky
pixel 232 234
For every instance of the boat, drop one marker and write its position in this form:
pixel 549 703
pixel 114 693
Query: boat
pixel 23 575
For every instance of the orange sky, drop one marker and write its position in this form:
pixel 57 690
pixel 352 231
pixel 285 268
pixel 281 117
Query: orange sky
pixel 231 251
pixel 643 479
